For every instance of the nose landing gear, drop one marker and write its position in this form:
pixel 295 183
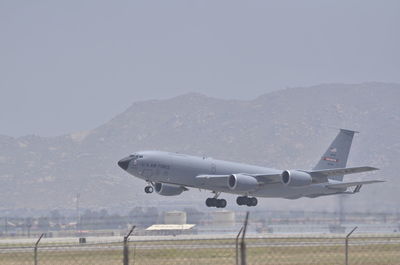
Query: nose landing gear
pixel 149 189
pixel 244 200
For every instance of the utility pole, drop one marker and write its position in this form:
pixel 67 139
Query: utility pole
pixel 341 210
pixel 6 226
pixel 78 214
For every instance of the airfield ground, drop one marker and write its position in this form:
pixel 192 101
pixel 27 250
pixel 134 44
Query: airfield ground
pixel 373 250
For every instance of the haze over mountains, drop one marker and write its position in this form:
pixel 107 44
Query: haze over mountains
pixel 285 129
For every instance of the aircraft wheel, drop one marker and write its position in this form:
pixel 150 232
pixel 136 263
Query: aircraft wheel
pixel 252 201
pixel 241 200
pixel 148 189
pixel 221 203
pixel 209 202
pixel 212 202
pixel 238 200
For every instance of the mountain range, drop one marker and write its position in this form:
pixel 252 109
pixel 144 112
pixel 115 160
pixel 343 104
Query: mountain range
pixel 286 129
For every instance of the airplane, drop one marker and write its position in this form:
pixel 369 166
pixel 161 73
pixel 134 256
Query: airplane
pixel 171 174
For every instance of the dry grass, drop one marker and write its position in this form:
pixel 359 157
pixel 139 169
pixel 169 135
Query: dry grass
pixel 293 251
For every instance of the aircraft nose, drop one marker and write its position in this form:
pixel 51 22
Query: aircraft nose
pixel 124 163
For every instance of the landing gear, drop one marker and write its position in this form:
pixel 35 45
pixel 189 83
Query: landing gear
pixel 214 202
pixel 149 189
pixel 244 200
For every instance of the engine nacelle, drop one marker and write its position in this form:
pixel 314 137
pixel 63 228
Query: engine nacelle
pixel 296 178
pixel 168 189
pixel 239 182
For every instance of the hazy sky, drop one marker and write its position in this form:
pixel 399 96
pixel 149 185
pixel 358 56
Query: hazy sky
pixel 67 66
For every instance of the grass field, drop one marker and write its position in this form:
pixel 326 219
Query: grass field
pixel 288 251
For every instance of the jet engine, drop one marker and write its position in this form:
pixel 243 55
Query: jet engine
pixel 168 189
pixel 296 178
pixel 239 182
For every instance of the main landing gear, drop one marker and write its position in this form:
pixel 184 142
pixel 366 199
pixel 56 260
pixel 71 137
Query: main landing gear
pixel 215 202
pixel 244 200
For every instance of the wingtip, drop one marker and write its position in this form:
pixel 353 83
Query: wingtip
pixel 371 168
pixel 379 180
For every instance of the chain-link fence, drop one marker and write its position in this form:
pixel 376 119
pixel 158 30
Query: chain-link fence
pixel 100 253
pixel 330 250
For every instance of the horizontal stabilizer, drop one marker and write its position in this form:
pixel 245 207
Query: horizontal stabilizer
pixel 351 184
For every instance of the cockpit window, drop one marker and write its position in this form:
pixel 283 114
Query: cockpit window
pixel 136 156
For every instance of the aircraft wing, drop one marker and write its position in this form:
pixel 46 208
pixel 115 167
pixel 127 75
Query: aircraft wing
pixel 267 178
pixel 222 180
pixel 318 176
pixel 351 184
pixel 339 171
pixel 214 180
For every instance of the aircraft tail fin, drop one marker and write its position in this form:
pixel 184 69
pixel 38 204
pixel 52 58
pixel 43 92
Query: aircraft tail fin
pixel 337 153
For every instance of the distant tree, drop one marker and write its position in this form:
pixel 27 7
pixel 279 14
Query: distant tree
pixel 56 217
pixel 151 215
pixel 28 222
pixel 103 213
pixel 43 223
pixel 135 212
pixel 143 216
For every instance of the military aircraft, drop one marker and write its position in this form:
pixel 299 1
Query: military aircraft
pixel 171 174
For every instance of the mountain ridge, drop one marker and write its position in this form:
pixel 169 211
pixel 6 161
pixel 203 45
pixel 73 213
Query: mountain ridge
pixel 283 129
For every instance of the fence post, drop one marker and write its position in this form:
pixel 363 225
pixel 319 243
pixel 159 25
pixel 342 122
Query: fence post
pixel 35 249
pixel 126 248
pixel 237 245
pixel 347 246
pixel 243 243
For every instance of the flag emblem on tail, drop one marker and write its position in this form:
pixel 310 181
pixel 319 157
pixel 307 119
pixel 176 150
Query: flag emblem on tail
pixel 330 159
